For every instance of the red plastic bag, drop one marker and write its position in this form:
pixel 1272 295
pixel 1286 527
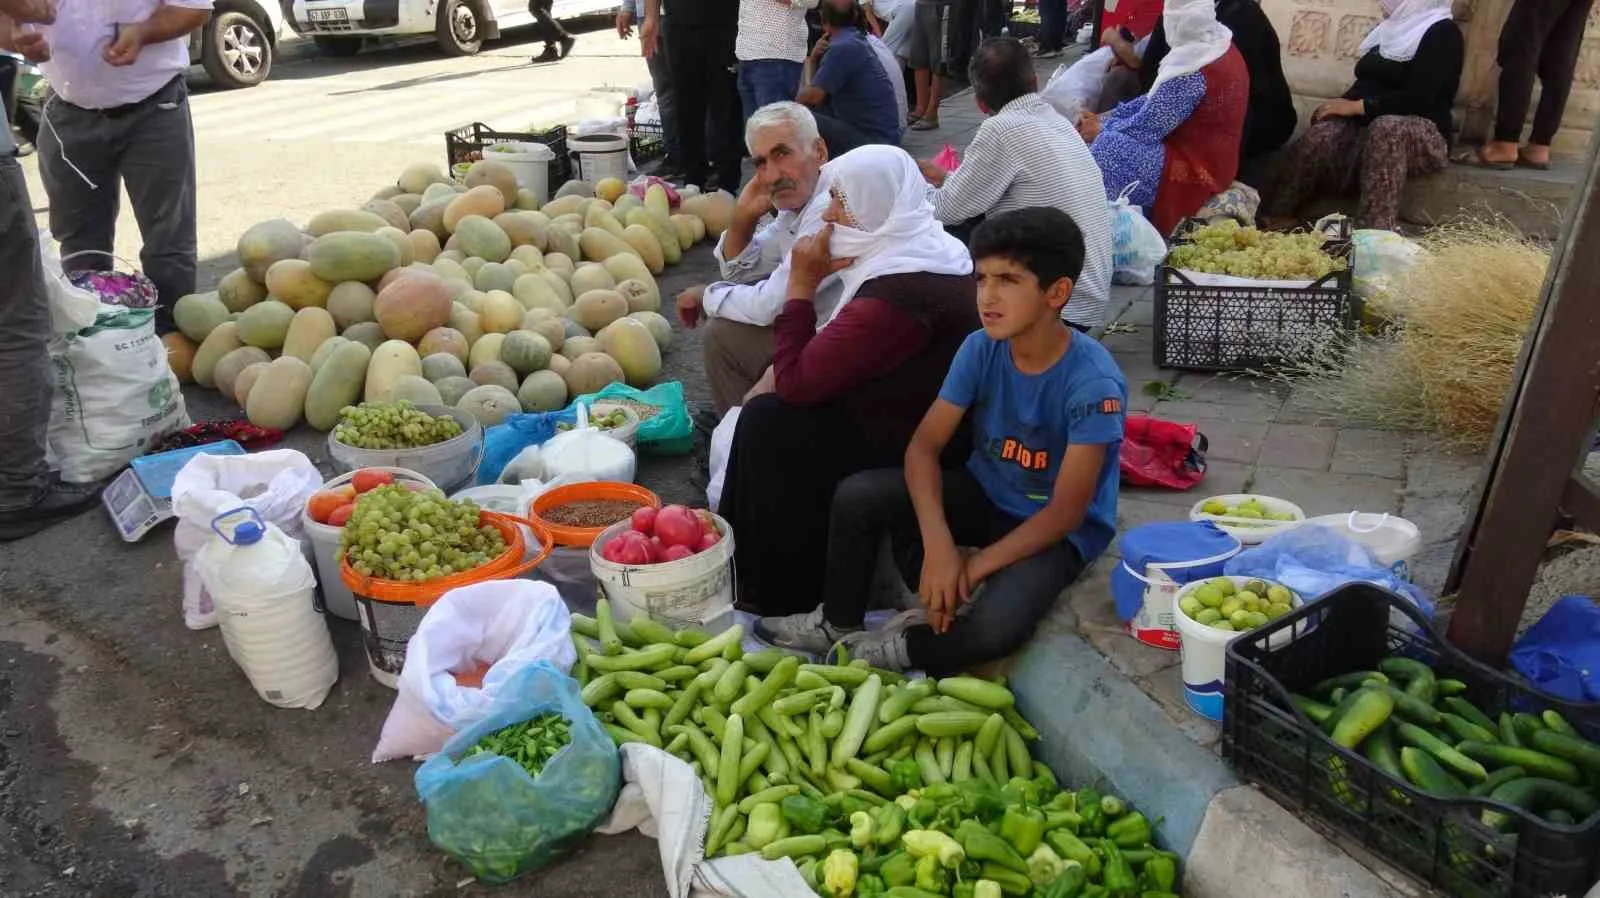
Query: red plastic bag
pixel 1162 453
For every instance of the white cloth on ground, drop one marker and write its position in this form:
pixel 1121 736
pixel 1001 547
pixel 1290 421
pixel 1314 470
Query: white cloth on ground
pixel 894 230
pixel 1196 37
pixel 1404 24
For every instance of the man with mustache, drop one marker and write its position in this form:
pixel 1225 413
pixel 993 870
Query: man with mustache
pixel 739 310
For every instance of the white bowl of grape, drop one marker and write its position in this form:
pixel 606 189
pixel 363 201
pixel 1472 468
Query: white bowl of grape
pixel 1235 604
pixel 1249 518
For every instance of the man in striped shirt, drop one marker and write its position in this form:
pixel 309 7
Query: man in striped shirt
pixel 1024 155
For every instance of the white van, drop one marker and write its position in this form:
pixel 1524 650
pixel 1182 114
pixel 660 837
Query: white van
pixel 340 27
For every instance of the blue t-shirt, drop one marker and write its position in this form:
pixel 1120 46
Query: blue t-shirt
pixel 1023 423
pixel 859 91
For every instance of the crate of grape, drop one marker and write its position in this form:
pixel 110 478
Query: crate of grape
pixel 1232 298
pixel 1248 518
pixel 440 443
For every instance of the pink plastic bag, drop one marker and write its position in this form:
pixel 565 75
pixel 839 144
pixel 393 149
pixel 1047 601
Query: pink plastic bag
pixel 639 185
pixel 948 159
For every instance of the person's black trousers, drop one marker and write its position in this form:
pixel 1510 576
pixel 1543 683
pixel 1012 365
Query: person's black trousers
pixel 1541 38
pixel 706 85
pixel 546 26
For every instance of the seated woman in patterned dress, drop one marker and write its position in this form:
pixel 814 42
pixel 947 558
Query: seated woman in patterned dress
pixel 1177 146
pixel 1394 122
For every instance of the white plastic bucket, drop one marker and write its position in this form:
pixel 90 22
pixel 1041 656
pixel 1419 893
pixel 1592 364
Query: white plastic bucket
pixel 336 597
pixel 696 591
pixel 1205 652
pixel 1393 541
pixel 530 162
pixel 1250 531
pixel 448 465
pixel 598 156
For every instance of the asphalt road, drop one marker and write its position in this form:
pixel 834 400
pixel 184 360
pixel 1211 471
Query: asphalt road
pixel 135 760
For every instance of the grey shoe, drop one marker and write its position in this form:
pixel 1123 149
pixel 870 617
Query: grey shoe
pixel 59 502
pixel 885 646
pixel 809 632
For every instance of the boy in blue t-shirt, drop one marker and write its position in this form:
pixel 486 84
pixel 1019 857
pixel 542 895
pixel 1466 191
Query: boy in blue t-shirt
pixel 1037 499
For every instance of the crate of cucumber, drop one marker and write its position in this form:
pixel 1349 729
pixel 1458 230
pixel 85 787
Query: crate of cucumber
pixel 1453 771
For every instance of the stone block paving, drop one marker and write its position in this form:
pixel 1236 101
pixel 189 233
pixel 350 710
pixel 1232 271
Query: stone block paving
pixel 1262 439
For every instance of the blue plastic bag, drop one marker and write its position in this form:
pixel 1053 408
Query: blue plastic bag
pixel 502 442
pixel 1315 560
pixel 488 813
pixel 1561 653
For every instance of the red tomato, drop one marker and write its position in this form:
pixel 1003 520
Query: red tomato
pixel 612 551
pixel 322 504
pixel 708 521
pixel 644 520
pixel 365 480
pixel 709 540
pixel 678 526
pixel 676 553
pixel 631 548
pixel 341 515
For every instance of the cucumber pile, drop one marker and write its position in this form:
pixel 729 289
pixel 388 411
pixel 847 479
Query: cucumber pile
pixel 1420 728
pixel 873 784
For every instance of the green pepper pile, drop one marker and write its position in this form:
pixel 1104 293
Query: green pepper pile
pixel 875 786
pixel 531 743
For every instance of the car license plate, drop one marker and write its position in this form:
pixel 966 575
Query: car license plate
pixel 327 16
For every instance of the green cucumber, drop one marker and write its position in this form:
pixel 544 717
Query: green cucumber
pixel 1311 708
pixel 1369 709
pixel 1380 750
pixel 1405 669
pixel 1341 707
pixel 1508 730
pixel 1350 680
pixel 1409 706
pixel 1426 774
pixel 1451 687
pixel 1535 794
pixel 1464 729
pixel 1527 725
pixel 1537 763
pixel 1497 779
pixel 1416 736
pixel 1560 816
pixel 1555 721
pixel 1576 749
pixel 1466 710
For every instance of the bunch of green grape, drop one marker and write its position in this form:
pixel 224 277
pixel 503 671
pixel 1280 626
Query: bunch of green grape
pixel 396 533
pixel 1226 248
pixel 392 425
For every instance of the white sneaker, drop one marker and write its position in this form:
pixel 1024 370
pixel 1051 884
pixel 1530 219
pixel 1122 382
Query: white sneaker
pixel 809 632
pixel 885 646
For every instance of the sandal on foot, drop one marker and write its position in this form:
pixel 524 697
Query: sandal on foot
pixel 925 124
pixel 1525 162
pixel 1475 159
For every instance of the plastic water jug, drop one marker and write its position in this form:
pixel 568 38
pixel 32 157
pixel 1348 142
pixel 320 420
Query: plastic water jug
pixel 263 589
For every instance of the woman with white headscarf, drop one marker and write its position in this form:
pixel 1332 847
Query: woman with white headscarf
pixel 1177 146
pixel 1393 123
pixel 844 396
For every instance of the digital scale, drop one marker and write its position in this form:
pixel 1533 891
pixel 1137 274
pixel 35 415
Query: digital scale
pixel 141 496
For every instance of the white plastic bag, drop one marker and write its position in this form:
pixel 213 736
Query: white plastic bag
pixel 115 394
pixel 265 599
pixel 505 625
pixel 72 308
pixel 276 484
pixel 1380 257
pixel 1076 88
pixel 1136 246
pixel 584 453
pixel 721 449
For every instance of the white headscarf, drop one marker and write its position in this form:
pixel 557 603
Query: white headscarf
pixel 1196 37
pixel 1405 22
pixel 885 194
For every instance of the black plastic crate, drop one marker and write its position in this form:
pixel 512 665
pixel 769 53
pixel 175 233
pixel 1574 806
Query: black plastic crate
pixel 646 143
pixel 467 143
pixel 1237 328
pixel 1441 841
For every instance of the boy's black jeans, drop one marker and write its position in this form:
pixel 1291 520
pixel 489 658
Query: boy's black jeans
pixel 869 505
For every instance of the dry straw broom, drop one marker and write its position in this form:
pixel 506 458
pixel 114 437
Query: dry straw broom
pixel 1451 331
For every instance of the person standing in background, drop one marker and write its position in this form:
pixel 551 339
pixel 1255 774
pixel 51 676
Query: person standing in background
pixel 661 80
pixel 557 41
pixel 771 48
pixel 1052 28
pixel 30 499
pixel 699 43
pixel 930 23
pixel 120 119
pixel 1541 38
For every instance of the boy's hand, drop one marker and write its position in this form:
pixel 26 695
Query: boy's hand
pixel 943 586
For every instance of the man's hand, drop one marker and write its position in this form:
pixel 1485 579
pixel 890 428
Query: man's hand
pixel 125 49
pixel 768 383
pixel 811 261
pixel 1339 109
pixel 624 23
pixel 820 48
pixel 32 46
pixel 1089 126
pixel 933 173
pixel 649 34
pixel 690 305
pixel 943 585
pixel 754 201
pixel 29 12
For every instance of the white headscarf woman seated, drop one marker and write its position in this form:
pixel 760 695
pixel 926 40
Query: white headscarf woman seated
pixel 847 396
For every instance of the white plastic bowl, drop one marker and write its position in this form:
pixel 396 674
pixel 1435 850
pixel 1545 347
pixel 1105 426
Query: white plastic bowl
pixel 1249 531
pixel 449 464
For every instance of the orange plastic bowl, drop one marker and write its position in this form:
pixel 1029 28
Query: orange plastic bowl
pixel 506 566
pixel 583 537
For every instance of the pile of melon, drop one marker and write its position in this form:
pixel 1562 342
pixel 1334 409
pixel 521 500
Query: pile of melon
pixel 445 293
